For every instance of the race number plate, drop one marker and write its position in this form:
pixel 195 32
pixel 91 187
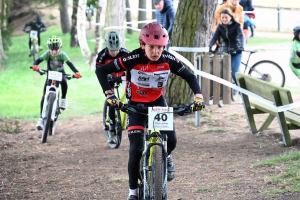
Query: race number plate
pixel 33 34
pixel 160 118
pixel 54 75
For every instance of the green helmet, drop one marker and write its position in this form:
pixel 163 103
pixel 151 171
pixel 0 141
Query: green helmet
pixel 296 30
pixel 54 43
pixel 112 41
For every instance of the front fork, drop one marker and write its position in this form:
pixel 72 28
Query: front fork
pixel 55 90
pixel 149 142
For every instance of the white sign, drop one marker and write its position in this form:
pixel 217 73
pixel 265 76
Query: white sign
pixel 160 118
pixel 33 34
pixel 54 75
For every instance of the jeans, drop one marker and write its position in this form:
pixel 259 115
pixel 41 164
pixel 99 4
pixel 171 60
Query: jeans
pixel 235 65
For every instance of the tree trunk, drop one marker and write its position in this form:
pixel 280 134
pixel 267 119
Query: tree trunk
pixel 114 16
pixel 85 50
pixel 98 28
pixel 192 28
pixel 2 25
pixel 64 16
pixel 128 17
pixel 142 14
pixel 74 36
pixel 2 53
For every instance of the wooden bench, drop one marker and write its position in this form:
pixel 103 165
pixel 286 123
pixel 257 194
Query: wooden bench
pixel 278 96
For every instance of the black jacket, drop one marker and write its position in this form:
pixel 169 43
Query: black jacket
pixel 247 5
pixel 232 36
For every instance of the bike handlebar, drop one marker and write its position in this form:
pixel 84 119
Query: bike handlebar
pixel 43 71
pixel 131 109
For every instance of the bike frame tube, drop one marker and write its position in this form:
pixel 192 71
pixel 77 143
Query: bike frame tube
pixel 51 89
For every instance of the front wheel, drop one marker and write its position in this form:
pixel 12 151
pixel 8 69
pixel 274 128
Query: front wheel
pixel 268 71
pixel 34 49
pixel 47 120
pixel 118 127
pixel 157 174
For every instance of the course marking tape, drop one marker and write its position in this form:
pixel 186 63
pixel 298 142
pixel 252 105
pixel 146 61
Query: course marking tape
pixel 229 84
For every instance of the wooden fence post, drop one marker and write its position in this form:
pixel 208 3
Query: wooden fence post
pixel 206 82
pixel 227 77
pixel 217 72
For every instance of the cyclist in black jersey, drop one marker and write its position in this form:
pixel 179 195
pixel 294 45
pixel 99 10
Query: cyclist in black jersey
pixel 36 25
pixel 147 70
pixel 55 61
pixel 112 50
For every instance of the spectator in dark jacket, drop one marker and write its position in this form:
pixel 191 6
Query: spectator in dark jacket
pixel 247 5
pixel 233 39
pixel 165 15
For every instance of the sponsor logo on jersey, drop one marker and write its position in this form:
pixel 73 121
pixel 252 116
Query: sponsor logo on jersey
pixel 160 67
pixel 161 73
pixel 140 92
pixel 131 57
pixel 140 72
pixel 143 78
pixel 116 64
pixel 144 84
pixel 169 57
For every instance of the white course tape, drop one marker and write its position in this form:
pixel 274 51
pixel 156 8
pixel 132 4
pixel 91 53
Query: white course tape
pixel 229 84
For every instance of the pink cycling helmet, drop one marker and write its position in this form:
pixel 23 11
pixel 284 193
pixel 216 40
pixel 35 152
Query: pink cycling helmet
pixel 154 34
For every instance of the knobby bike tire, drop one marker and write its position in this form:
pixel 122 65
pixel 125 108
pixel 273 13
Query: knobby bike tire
pixel 34 50
pixel 47 121
pixel 273 68
pixel 53 123
pixel 157 174
pixel 118 126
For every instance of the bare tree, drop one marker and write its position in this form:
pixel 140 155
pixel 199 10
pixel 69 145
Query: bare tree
pixel 64 16
pixel 98 29
pixel 192 28
pixel 2 25
pixel 128 17
pixel 85 50
pixel 114 16
pixel 142 13
pixel 74 39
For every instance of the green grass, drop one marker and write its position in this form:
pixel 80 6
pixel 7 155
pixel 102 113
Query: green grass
pixel 262 41
pixel 289 179
pixel 216 130
pixel 21 88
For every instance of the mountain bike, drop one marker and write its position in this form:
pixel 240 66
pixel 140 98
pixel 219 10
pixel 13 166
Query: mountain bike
pixel 34 44
pixel 153 164
pixel 265 70
pixel 51 109
pixel 120 117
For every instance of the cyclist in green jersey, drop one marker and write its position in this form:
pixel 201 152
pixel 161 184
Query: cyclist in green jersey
pixel 55 62
pixel 295 53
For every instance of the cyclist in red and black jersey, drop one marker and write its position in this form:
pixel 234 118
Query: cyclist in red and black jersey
pixel 112 50
pixel 147 70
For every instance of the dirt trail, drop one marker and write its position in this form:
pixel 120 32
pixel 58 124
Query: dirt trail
pixel 212 161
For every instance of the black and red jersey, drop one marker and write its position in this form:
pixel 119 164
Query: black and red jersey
pixel 104 57
pixel 146 79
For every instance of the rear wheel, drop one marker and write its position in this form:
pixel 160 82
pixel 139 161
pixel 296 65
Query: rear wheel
pixel 47 120
pixel 156 174
pixel 118 127
pixel 268 71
